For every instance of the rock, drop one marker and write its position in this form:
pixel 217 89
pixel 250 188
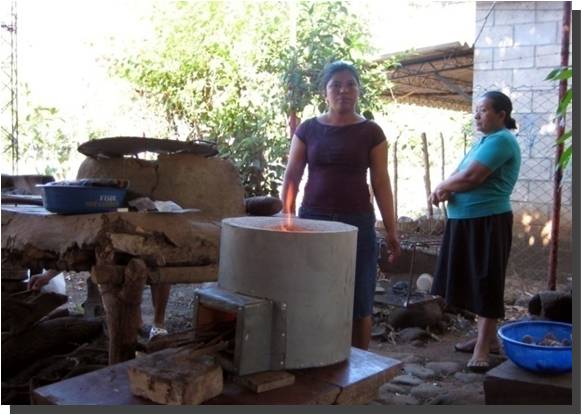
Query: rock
pixel 410 334
pixel 468 377
pixel 428 314
pixel 418 371
pixel 552 305
pixel 405 357
pixel 522 300
pixel 404 400
pixel 210 184
pixel 467 395
pixel 391 388
pixel 378 331
pixel 426 391
pixel 444 368
pixel 418 343
pixel 407 380
pixel 263 205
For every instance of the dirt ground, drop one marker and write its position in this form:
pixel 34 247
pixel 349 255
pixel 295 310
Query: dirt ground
pixel 453 386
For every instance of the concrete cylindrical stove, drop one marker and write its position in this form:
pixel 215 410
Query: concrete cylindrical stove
pixel 308 268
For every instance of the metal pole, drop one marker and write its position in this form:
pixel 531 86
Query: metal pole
pixel 560 127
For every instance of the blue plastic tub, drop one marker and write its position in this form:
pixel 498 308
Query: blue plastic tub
pixel 533 357
pixel 81 199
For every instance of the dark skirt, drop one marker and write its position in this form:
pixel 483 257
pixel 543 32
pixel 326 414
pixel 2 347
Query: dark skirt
pixel 472 261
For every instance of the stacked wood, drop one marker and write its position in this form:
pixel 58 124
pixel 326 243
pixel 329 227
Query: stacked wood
pixel 174 376
pixel 21 310
pixel 47 338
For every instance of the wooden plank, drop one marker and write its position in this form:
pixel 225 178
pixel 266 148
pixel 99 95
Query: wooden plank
pixel 110 386
pixel 359 377
pixel 265 381
pixel 113 274
pixel 175 377
pixel 107 386
pixel 508 384
pixel 305 391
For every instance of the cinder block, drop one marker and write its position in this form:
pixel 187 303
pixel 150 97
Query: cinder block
pixel 513 57
pixel 536 169
pixel 545 101
pixel 522 101
pixel 483 59
pixel 536 34
pixel 544 146
pixel 513 16
pixel 495 36
pixel 549 15
pixel 531 79
pixel 496 79
pixel 548 56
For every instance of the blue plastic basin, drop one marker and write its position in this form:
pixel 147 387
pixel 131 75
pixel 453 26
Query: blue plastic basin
pixel 533 357
pixel 81 199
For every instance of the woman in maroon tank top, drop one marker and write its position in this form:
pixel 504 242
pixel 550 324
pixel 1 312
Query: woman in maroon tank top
pixel 339 147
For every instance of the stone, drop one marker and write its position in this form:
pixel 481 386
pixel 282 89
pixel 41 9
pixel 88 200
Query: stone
pixel 391 388
pixel 410 334
pixel 405 357
pixel 444 368
pixel 407 380
pixel 426 391
pixel 404 400
pixel 418 371
pixel 423 315
pixel 466 377
pixel 209 184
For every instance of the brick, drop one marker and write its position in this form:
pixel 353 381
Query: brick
pixel 536 34
pixel 513 57
pixel 483 59
pixel 497 36
pixel 513 16
pixel 548 56
pixel 535 169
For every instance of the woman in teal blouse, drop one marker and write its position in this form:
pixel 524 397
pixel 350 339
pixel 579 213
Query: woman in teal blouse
pixel 475 249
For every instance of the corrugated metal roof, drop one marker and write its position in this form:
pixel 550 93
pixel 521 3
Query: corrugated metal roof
pixel 438 76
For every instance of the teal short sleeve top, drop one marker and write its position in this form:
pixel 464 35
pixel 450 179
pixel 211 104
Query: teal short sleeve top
pixel 500 153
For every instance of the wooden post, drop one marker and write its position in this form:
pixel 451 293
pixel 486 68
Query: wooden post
pixel 122 308
pixel 557 199
pixel 395 176
pixel 427 186
pixel 443 167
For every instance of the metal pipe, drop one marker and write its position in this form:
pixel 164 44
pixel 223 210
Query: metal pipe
pixel 560 127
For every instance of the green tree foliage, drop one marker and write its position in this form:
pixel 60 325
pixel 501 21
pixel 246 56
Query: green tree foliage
pixel 232 72
pixel 44 142
pixel 561 112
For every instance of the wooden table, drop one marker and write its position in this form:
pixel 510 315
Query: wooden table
pixel 353 382
pixel 123 251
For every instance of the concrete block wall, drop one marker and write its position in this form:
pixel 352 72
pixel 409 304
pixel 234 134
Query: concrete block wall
pixel 518 45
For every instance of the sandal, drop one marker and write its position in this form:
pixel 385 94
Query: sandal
pixel 478 365
pixel 469 345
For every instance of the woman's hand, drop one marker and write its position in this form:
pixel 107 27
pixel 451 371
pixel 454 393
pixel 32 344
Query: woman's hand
pixel 439 195
pixel 393 246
